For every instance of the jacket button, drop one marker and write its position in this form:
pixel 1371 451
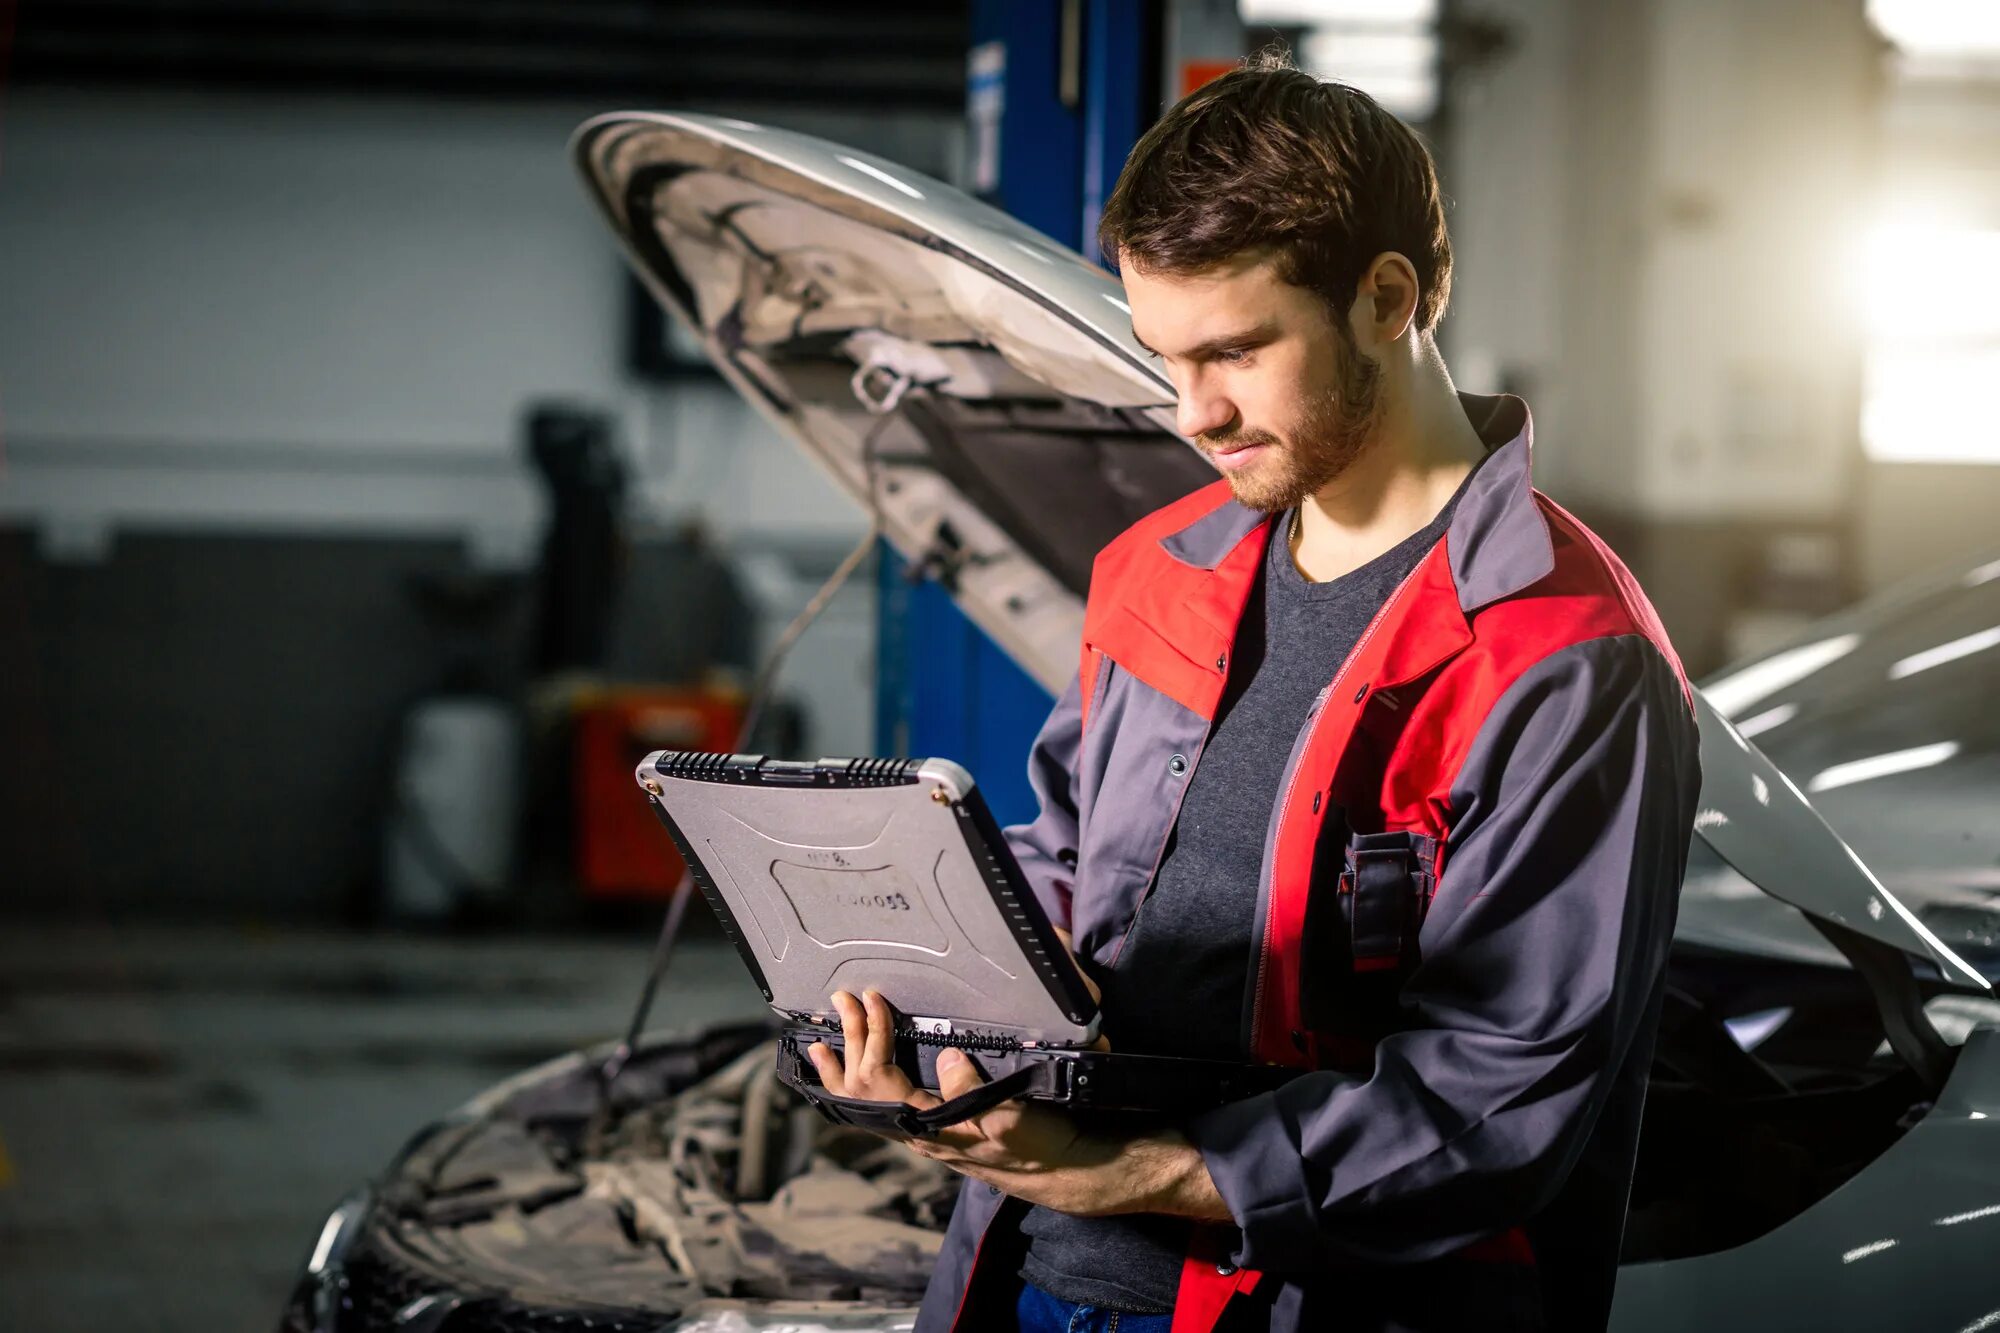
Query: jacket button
pixel 1225 1268
pixel 1358 693
pixel 1222 662
pixel 1177 765
pixel 992 1189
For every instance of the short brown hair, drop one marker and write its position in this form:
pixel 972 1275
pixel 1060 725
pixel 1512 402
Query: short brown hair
pixel 1269 157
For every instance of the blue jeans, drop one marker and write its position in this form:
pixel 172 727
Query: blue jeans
pixel 1039 1312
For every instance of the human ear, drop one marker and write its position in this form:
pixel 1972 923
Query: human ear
pixel 1385 300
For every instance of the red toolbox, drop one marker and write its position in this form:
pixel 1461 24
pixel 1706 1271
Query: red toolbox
pixel 621 850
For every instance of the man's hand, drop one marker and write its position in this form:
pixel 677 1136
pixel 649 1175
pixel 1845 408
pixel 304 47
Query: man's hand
pixel 868 1038
pixel 1033 1153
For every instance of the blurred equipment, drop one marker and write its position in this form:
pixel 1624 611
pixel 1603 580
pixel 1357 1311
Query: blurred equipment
pixel 619 850
pixel 449 853
pixel 573 450
pixel 449 835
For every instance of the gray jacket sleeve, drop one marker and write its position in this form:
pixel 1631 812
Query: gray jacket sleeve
pixel 1541 954
pixel 1046 847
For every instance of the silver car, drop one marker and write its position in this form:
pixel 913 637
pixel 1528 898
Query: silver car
pixel 1822 1138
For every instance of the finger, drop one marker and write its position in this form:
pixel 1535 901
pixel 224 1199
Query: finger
pixel 878 1080
pixel 957 1074
pixel 982 1138
pixel 853 1026
pixel 881 1050
pixel 827 1064
pixel 959 1147
pixel 985 1175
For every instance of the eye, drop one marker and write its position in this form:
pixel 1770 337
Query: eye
pixel 1233 356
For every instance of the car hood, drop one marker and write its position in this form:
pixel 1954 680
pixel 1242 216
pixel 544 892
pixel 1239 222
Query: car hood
pixel 1769 837
pixel 978 387
pixel 1883 715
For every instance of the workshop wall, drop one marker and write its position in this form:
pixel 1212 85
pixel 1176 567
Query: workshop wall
pixel 1658 212
pixel 258 313
pixel 1931 303
pixel 1663 217
pixel 265 366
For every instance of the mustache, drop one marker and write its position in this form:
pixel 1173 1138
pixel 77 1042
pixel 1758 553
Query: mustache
pixel 1240 439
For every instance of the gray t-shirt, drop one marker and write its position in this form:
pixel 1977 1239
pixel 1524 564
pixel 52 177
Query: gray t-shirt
pixel 1180 984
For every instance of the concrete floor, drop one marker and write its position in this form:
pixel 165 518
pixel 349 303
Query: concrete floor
pixel 179 1108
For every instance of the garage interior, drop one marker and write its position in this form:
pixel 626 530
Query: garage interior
pixel 362 517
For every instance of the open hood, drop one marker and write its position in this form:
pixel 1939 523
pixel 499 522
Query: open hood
pixel 972 381
pixel 978 386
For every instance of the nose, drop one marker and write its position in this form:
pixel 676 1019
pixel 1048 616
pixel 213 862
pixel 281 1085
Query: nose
pixel 1200 409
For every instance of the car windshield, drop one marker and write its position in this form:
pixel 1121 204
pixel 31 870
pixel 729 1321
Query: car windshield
pixel 1886 719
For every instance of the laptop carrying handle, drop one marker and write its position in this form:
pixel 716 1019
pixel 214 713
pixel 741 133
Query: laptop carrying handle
pixel 908 1121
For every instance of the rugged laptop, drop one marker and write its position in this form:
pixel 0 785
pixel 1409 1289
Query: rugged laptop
pixel 845 874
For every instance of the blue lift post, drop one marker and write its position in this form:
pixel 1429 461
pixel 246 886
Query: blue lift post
pixel 1068 85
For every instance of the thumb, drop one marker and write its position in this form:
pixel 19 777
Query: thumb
pixel 956 1073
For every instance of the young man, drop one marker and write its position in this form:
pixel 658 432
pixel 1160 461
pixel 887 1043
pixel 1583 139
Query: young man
pixel 1378 764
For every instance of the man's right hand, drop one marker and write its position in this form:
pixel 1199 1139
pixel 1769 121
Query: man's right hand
pixel 867 1031
pixel 866 1066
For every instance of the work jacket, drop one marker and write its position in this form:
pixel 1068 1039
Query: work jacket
pixel 1466 897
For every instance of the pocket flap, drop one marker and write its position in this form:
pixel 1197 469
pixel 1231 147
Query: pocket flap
pixel 1384 888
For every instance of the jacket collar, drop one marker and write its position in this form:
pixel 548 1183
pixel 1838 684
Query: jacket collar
pixel 1498 542
pixel 1204 542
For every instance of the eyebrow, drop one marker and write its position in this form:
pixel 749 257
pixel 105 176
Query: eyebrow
pixel 1201 351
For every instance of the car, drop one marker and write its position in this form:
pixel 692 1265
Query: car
pixel 1822 1137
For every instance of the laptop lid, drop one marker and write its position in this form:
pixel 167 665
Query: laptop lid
pixel 845 874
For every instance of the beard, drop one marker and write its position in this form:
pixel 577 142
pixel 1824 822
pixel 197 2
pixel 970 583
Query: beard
pixel 1335 425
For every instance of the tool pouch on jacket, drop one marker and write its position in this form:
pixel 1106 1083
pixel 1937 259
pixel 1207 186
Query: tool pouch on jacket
pixel 1369 894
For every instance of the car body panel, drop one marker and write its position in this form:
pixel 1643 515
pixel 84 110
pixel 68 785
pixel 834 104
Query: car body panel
pixel 1757 820
pixel 1909 1243
pixel 1883 714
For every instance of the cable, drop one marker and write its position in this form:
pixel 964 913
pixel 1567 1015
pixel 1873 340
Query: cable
pixel 760 691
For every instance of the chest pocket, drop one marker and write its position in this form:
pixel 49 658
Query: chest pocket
pixel 1369 895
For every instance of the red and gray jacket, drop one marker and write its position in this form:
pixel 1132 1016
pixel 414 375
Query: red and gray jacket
pixel 1468 888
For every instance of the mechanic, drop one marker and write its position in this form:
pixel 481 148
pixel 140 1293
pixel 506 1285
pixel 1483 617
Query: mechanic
pixel 1377 764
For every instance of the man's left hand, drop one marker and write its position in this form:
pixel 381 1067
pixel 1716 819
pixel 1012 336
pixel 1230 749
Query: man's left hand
pixel 1033 1153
